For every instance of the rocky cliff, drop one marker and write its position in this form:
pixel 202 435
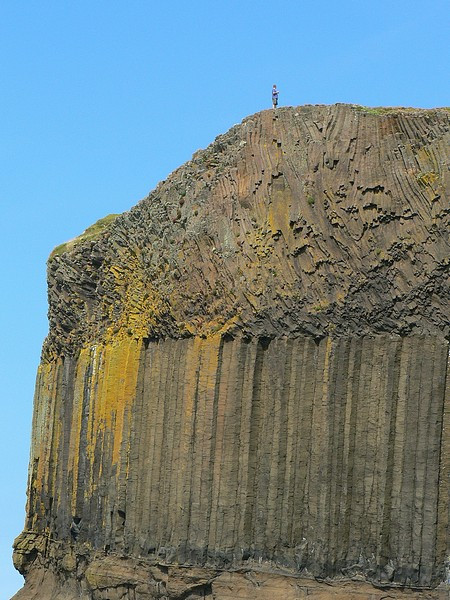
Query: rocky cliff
pixel 244 392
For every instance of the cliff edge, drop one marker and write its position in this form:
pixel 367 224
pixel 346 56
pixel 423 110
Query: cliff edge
pixel 244 392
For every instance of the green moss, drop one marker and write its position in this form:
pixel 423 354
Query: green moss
pixel 321 306
pixel 90 233
pixel 373 110
pixel 385 110
pixel 59 249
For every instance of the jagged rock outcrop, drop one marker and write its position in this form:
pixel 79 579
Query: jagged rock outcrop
pixel 244 391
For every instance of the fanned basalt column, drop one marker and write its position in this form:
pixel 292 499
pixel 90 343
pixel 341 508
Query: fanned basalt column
pixel 244 392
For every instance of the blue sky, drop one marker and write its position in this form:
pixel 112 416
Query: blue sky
pixel 102 99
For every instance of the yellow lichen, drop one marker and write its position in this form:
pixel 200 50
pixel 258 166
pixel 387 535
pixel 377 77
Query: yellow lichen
pixel 427 178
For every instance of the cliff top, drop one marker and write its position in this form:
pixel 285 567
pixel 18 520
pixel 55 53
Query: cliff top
pixel 305 220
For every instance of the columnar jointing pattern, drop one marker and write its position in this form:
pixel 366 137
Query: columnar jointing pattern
pixel 322 457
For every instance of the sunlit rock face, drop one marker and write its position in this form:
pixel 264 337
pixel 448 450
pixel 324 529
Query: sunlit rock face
pixel 243 390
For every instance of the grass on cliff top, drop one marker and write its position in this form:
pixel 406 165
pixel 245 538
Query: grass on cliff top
pixel 91 233
pixel 375 110
pixel 385 110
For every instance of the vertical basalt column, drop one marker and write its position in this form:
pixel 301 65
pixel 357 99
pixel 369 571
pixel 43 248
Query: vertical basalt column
pixel 81 435
pixel 321 456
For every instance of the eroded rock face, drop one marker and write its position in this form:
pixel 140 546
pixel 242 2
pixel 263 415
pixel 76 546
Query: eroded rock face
pixel 243 389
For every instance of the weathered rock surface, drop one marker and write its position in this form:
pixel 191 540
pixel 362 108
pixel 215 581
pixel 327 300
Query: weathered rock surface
pixel 244 392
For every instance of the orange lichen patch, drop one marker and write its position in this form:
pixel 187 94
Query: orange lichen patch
pixel 127 391
pixel 278 216
pixel 80 416
pixel 427 178
pixel 142 305
pixel 113 386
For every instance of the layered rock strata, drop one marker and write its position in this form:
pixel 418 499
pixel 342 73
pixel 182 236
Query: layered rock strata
pixel 244 391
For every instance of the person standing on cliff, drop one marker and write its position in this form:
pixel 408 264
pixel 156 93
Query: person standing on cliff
pixel 275 93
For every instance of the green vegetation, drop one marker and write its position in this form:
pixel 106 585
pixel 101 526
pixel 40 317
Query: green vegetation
pixel 376 110
pixel 384 110
pixel 90 233
pixel 311 201
pixel 321 306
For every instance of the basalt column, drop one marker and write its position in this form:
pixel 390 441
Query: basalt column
pixel 245 389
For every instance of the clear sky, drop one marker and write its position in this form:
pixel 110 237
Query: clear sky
pixel 101 99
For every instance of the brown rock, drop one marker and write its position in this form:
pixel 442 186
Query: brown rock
pixel 243 390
